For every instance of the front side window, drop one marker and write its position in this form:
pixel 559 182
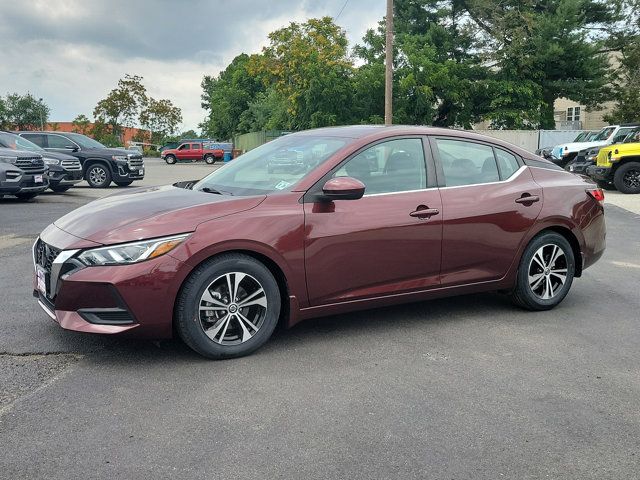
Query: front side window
pixel 466 163
pixel 391 166
pixel 58 141
pixel 184 146
pixel 621 135
pixel 274 166
pixel 604 134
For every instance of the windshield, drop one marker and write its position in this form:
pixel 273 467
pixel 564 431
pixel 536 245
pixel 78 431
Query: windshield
pixel 581 137
pixel 633 136
pixel 9 140
pixel 604 134
pixel 84 141
pixel 272 167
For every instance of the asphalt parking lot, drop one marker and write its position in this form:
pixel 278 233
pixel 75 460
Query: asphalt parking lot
pixel 469 388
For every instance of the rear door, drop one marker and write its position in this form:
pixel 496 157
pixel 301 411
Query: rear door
pixel 489 200
pixel 387 242
pixel 37 138
pixel 196 151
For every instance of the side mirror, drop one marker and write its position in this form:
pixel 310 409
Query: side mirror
pixel 343 188
pixel 73 148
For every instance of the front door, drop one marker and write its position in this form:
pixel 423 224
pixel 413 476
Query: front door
pixel 490 201
pixel 387 242
pixel 183 152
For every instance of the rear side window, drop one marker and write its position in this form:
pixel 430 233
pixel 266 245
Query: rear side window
pixel 466 163
pixel 36 138
pixel 507 163
pixel 58 141
pixel 195 146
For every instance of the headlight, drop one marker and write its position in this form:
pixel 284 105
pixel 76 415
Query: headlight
pixel 120 158
pixel 9 159
pixel 51 161
pixel 134 252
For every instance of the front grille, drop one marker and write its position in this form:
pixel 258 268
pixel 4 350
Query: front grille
pixel 45 255
pixel 71 165
pixel 135 163
pixel 30 164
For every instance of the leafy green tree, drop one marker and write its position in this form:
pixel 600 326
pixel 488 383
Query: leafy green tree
pixel 309 66
pixel 267 112
pixel 81 124
pixel 3 113
pixel 227 96
pixel 24 112
pixel 555 44
pixel 122 105
pixel 161 118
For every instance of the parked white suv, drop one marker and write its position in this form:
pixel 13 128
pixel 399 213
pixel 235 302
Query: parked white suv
pixel 566 152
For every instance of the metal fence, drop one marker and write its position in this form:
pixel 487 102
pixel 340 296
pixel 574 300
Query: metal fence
pixel 530 140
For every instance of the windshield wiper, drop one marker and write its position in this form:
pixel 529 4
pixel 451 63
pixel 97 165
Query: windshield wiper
pixel 211 190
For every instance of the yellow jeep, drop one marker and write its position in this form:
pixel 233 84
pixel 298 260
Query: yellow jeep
pixel 619 164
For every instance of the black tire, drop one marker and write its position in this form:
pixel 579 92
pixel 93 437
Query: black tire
pixel 627 177
pixel 25 197
pixel 60 188
pixel 210 159
pixel 124 184
pixel 530 298
pixel 98 176
pixel 170 159
pixel 188 317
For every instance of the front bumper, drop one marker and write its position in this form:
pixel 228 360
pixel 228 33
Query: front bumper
pixel 61 176
pixel 135 299
pixel 600 173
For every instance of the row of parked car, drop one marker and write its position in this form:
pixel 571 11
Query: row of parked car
pixel 610 156
pixel 34 161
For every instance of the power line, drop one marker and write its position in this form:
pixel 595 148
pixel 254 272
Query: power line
pixel 341 10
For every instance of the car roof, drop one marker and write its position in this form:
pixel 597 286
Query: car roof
pixel 374 132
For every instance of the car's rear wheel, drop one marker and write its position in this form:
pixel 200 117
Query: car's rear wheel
pixel 627 178
pixel 98 176
pixel 228 307
pixel 170 159
pixel 210 159
pixel 545 274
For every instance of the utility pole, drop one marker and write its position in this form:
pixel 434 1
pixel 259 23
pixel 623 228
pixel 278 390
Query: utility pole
pixel 41 119
pixel 388 73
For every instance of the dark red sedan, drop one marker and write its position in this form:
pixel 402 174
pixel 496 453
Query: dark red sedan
pixel 369 216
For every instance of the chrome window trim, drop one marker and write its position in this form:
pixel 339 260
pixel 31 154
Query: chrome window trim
pixel 515 175
pixel 397 193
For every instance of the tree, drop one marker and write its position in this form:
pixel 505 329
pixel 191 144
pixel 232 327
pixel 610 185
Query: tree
pixel 161 118
pixel 308 65
pixel 23 112
pixel 81 124
pixel 227 96
pixel 555 44
pixel 3 113
pixel 122 105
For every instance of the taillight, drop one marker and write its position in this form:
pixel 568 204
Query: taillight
pixel 597 194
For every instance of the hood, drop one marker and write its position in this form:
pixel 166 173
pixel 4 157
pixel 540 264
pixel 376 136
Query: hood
pixel 150 212
pixel 56 155
pixel 10 152
pixel 622 148
pixel 577 146
pixel 113 151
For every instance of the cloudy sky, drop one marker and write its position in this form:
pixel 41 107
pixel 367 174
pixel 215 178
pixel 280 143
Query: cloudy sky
pixel 72 52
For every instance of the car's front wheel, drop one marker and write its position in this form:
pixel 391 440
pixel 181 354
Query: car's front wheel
pixel 545 273
pixel 627 178
pixel 98 176
pixel 228 307
pixel 170 159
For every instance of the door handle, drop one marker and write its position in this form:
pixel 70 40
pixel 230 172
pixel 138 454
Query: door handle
pixel 424 212
pixel 528 199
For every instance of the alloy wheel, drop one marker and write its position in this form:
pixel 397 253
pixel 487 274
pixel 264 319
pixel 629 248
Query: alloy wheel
pixel 547 271
pixel 232 308
pixel 97 175
pixel 632 178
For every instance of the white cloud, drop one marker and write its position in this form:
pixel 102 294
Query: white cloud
pixel 72 52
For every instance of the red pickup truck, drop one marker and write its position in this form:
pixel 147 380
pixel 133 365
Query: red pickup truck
pixel 192 152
